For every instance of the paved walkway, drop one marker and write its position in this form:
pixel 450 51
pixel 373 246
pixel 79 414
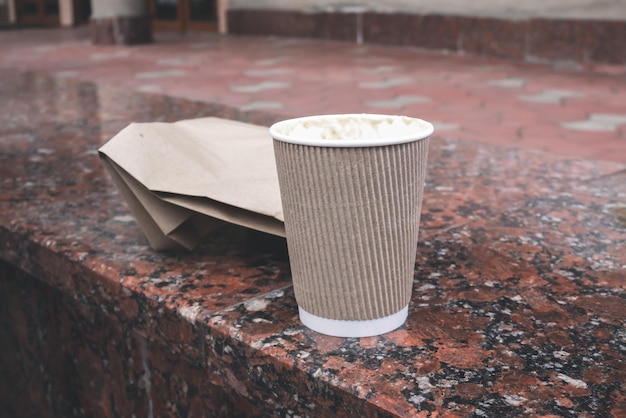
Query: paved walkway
pixel 564 110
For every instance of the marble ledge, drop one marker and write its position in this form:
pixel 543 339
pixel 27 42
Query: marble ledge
pixel 518 304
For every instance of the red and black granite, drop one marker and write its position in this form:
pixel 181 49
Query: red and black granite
pixel 518 306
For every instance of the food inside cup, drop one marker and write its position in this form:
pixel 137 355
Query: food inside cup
pixel 351 130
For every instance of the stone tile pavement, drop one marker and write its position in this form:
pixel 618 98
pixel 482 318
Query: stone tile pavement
pixel 564 109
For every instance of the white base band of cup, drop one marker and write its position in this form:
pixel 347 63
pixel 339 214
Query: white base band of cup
pixel 346 328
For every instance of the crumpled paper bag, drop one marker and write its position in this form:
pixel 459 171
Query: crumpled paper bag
pixel 183 179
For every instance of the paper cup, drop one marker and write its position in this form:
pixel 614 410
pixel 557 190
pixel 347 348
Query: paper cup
pixel 351 188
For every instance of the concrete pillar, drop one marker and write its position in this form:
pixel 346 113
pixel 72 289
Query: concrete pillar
pixel 11 13
pixel 123 22
pixel 66 12
pixel 222 17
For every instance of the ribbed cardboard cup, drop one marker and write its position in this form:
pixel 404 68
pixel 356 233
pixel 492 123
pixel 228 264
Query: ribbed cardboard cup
pixel 351 188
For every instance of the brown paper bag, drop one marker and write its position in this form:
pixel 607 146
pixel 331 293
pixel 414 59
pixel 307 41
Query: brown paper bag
pixel 183 179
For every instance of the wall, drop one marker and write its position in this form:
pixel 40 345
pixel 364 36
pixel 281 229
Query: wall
pixel 556 30
pixel 577 9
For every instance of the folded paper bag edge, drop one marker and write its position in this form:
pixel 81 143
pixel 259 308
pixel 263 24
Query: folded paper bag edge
pixel 258 220
pixel 231 214
pixel 157 239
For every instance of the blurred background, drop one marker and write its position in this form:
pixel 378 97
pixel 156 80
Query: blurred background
pixel 579 30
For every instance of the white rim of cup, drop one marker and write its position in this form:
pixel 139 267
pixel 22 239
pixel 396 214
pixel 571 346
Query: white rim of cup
pixel 425 131
pixel 353 329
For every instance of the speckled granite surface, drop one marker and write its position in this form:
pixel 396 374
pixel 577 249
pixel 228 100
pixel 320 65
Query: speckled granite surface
pixel 518 305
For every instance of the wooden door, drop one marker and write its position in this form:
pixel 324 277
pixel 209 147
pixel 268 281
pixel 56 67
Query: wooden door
pixel 184 15
pixel 38 12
